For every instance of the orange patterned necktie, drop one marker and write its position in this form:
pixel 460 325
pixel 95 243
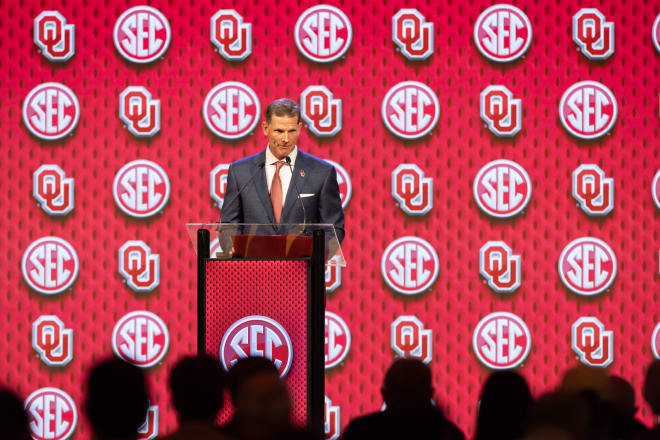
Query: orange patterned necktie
pixel 276 191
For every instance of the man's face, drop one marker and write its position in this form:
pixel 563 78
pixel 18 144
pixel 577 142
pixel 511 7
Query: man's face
pixel 282 134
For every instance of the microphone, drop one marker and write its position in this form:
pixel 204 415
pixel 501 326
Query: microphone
pixel 259 168
pixel 288 161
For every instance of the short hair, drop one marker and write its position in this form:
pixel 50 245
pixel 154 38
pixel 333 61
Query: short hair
pixel 197 384
pixel 246 368
pixel 282 107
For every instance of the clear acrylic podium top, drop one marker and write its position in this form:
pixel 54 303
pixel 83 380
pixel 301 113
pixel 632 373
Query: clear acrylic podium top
pixel 264 240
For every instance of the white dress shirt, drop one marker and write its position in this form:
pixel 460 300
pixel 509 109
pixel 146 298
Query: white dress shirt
pixel 285 171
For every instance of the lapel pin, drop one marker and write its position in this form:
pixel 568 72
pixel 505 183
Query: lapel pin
pixel 302 173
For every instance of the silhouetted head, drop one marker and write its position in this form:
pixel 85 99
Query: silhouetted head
pixel 652 386
pixel 623 396
pixel 560 412
pixel 13 420
pixel 407 385
pixel 117 400
pixel 582 378
pixel 504 406
pixel 246 368
pixel 197 384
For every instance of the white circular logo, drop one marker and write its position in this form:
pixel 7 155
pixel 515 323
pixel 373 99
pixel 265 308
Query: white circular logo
pixel 587 266
pixel 141 338
pixel 502 33
pixel 502 188
pixel 410 265
pixel 51 111
pixel 655 189
pixel 50 265
pixel 323 33
pixel 52 414
pixel 501 341
pixel 588 109
pixel 231 110
pixel 141 188
pixel 344 182
pixel 142 34
pixel 337 340
pixel 410 110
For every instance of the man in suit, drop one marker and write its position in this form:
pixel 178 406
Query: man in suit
pixel 264 188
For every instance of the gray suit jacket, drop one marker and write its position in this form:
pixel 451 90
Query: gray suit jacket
pixel 310 174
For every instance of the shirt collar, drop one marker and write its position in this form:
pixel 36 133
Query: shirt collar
pixel 270 157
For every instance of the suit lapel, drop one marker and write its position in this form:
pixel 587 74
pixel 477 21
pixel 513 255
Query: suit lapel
pixel 261 187
pixel 297 180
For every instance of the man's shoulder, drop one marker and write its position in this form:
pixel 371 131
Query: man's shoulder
pixel 247 162
pixel 314 161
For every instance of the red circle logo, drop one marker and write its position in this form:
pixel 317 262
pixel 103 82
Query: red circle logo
pixel 50 265
pixel 323 33
pixel 344 182
pixel 231 110
pixel 502 33
pixel 501 341
pixel 410 265
pixel 587 266
pixel 51 111
pixel 588 109
pixel 337 340
pixel 142 34
pixel 141 188
pixel 141 338
pixel 410 110
pixel 502 188
pixel 52 414
pixel 257 336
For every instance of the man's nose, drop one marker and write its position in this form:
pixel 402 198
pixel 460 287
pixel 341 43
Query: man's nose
pixel 286 137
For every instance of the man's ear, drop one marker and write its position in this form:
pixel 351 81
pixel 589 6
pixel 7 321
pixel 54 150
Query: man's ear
pixel 264 126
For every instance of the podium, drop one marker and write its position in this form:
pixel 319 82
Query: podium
pixel 261 292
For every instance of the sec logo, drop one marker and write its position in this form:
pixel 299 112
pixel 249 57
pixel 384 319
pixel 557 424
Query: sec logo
pixel 332 276
pixel 52 414
pixel 257 336
pixel 656 33
pixel 410 110
pixel 331 420
pixel 139 111
pixel 655 341
pixel 409 265
pixel 500 267
pixel 412 34
pixel 51 111
pixel 593 191
pixel 501 341
pixel 138 266
pixel 142 34
pixel 141 188
pixel 219 183
pixel 409 339
pixel 149 429
pixel 323 33
pixel 344 182
pixel 337 340
pixel 587 266
pixel 53 190
pixel 55 38
pixel 655 189
pixel 230 35
pixel 52 341
pixel 50 265
pixel 588 109
pixel 502 33
pixel 141 338
pixel 320 111
pixel 502 188
pixel 592 343
pixel 231 110
pixel 500 111
pixel 412 191
pixel 593 35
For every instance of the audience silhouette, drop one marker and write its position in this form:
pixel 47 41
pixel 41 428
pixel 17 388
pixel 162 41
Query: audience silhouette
pixel 13 420
pixel 651 393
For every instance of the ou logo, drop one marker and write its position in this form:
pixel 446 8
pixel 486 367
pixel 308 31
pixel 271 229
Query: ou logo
pixel 410 110
pixel 501 341
pixel 141 188
pixel 230 35
pixel 502 188
pixel 139 267
pixel 592 343
pixel 593 35
pixel 50 265
pixel 502 33
pixel 337 340
pixel 219 183
pixel 587 266
pixel 149 429
pixel 55 38
pixel 231 110
pixel 320 111
pixel 52 341
pixel 412 190
pixel 141 338
pixel 501 113
pixel 323 33
pixel 52 414
pixel 593 191
pixel 412 34
pixel 410 340
pixel 344 182
pixel 331 420
pixel 139 111
pixel 499 267
pixel 257 336
pixel 588 109
pixel 332 275
pixel 51 111
pixel 53 190
pixel 142 34
pixel 409 265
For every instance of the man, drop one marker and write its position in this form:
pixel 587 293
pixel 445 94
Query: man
pixel 264 188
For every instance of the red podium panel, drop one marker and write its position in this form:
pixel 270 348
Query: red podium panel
pixel 252 308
